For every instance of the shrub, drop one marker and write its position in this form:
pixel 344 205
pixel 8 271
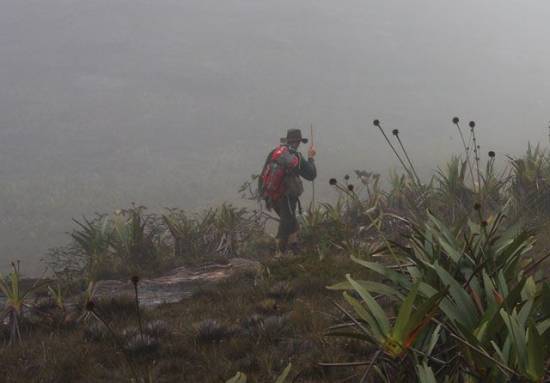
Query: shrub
pixel 473 289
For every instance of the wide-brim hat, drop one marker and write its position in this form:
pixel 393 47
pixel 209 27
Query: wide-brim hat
pixel 293 136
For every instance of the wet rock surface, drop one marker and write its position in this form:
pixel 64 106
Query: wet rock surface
pixel 172 287
pixel 180 283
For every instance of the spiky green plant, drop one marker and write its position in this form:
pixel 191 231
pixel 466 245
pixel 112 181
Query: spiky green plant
pixel 530 185
pixel 16 301
pixel 487 268
pixel 93 238
pixel 229 224
pixel 58 296
pixel 184 232
pixel 374 324
pixel 452 193
pixel 133 238
pixel 88 297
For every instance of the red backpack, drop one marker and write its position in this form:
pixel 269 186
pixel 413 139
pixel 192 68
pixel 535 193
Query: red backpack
pixel 278 165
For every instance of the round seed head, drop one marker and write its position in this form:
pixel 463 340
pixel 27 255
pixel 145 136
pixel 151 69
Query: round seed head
pixel 351 187
pixel 455 120
pixel 395 132
pixel 472 124
pixel 477 206
pixel 346 177
pixel 135 280
pixel 333 181
pixel 483 223
pixel 376 122
pixel 492 154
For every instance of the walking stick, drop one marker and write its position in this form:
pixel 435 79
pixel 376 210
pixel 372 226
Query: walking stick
pixel 312 205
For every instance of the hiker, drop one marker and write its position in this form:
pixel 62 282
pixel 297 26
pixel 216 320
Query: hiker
pixel 280 185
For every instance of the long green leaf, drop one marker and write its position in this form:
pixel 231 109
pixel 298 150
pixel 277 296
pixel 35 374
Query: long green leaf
pixel 377 311
pixel 402 322
pixel 284 375
pixel 238 378
pixel 392 275
pixel 375 333
pixel 535 355
pixel 543 326
pixel 425 374
pixel 468 313
pixel 371 286
pixel 517 335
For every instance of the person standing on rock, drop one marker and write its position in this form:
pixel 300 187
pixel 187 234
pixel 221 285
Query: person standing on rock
pixel 280 185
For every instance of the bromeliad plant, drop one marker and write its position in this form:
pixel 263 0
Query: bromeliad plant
pixel 482 311
pixel 394 340
pixel 530 185
pixel 16 301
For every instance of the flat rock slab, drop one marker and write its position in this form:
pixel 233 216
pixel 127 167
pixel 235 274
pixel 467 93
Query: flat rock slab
pixel 177 285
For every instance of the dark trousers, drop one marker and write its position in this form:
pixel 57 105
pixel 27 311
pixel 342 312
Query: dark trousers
pixel 285 208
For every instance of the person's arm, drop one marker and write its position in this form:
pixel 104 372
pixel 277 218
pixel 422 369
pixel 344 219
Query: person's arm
pixel 308 170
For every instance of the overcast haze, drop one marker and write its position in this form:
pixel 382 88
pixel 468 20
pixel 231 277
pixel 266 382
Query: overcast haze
pixel 175 103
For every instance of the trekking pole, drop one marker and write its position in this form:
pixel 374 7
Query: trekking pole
pixel 312 205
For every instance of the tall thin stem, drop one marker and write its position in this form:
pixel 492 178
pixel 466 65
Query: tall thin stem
pixel 118 343
pixel 312 204
pixel 408 159
pixel 476 153
pixel 379 126
pixel 138 310
pixel 466 150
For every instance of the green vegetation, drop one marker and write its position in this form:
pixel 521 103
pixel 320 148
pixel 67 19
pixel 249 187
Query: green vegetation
pixel 131 241
pixel 444 280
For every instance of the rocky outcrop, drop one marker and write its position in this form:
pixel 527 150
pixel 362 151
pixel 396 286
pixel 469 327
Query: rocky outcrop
pixel 177 285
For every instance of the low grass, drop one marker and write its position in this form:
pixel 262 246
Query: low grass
pixel 254 323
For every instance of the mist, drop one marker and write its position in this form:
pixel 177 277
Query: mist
pixel 175 103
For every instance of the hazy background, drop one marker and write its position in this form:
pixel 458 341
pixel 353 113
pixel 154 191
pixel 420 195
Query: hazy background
pixel 175 103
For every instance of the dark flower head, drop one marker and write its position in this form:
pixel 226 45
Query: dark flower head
pixel 492 154
pixel 135 280
pixel 90 305
pixel 477 206
pixel 346 177
pixel 484 223
pixel 351 187
pixel 395 132
pixel 455 120
pixel 472 124
pixel 376 122
pixel 332 181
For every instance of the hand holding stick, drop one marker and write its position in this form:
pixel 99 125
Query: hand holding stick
pixel 312 151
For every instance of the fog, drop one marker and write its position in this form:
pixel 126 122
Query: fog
pixel 176 103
